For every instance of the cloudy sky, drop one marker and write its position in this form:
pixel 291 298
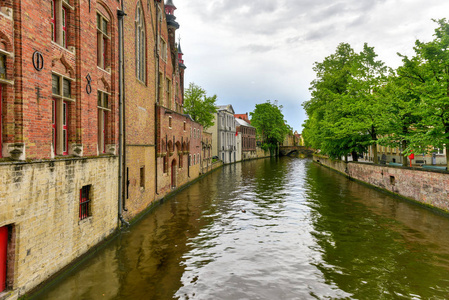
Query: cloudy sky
pixel 250 51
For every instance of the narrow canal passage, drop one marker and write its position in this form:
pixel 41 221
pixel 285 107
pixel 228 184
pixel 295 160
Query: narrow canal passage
pixel 272 229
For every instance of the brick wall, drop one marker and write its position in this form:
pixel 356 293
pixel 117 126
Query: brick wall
pixel 428 187
pixel 28 103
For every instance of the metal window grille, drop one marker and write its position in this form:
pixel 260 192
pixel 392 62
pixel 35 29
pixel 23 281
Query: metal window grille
pixel 84 202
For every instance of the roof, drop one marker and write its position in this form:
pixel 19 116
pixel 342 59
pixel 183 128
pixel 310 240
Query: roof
pixel 243 123
pixel 227 107
pixel 243 117
pixel 169 3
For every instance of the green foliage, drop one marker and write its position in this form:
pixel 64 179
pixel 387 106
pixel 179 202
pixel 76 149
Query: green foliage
pixel 355 103
pixel 199 106
pixel 427 74
pixel 270 125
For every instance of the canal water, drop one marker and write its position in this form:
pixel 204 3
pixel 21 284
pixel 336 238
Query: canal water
pixel 272 229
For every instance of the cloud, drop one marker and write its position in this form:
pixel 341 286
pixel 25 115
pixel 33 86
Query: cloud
pixel 249 51
pixel 255 48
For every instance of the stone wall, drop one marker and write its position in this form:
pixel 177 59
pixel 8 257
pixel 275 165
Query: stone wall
pixel 40 204
pixel 260 153
pixel 427 187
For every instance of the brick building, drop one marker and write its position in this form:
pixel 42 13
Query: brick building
pixel 206 156
pixel 248 135
pixel 178 136
pixel 140 27
pixel 59 135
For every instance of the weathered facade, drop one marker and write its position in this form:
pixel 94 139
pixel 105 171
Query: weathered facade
pixel 59 135
pixel 139 98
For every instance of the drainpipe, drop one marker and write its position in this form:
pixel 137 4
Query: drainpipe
pixel 121 148
pixel 156 115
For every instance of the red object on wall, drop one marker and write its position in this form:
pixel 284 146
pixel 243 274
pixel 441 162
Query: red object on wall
pixel 3 247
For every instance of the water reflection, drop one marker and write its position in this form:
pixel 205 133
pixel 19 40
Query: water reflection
pixel 373 246
pixel 272 229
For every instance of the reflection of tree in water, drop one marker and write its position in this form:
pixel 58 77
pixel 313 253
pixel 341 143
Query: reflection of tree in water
pixel 363 253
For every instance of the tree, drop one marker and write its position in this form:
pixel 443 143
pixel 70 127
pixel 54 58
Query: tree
pixel 400 117
pixel 428 75
pixel 326 109
pixel 363 105
pixel 270 125
pixel 199 106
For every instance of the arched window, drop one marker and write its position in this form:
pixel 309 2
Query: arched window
pixel 140 43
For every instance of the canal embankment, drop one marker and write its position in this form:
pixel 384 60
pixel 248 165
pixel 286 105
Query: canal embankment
pixel 427 187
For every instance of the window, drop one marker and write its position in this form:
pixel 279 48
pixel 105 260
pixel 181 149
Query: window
pixel 165 161
pixel 1 119
pixel 163 50
pixel 438 150
pixel 2 76
pixel 160 89
pixel 142 177
pixel 103 39
pixel 62 96
pixel 140 44
pixel 103 109
pixel 59 21
pixel 2 66
pixel 84 210
pixel 185 125
pixel 169 122
pixel 168 91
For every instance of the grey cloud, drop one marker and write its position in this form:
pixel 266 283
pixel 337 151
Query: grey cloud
pixel 253 48
pixel 320 33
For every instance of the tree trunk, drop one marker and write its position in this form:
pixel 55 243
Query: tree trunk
pixel 355 157
pixel 375 156
pixel 404 156
pixel 346 158
pixel 374 137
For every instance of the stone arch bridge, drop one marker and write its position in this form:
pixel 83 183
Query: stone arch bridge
pixel 295 151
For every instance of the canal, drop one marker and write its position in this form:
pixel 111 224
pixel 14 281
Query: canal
pixel 272 229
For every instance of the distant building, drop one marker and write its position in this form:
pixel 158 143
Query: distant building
pixel 206 157
pixel 248 139
pixel 243 117
pixel 223 130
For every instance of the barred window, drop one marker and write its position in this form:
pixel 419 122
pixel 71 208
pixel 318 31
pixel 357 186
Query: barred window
pixel 84 205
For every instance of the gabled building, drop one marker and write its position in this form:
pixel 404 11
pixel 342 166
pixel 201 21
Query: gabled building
pixel 224 134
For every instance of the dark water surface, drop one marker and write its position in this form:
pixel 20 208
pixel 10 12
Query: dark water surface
pixel 272 229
